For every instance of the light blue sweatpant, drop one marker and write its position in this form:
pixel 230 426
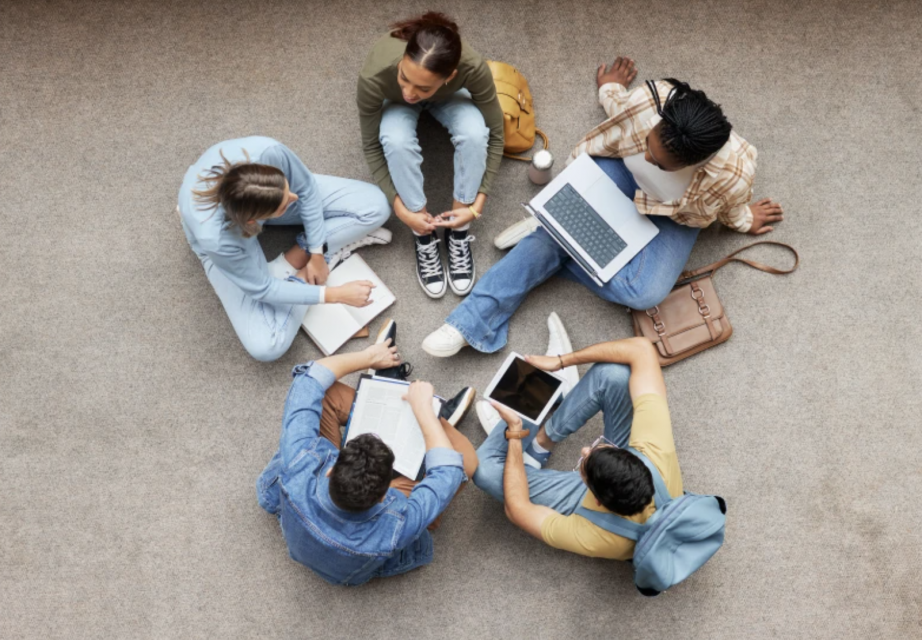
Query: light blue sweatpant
pixel 351 210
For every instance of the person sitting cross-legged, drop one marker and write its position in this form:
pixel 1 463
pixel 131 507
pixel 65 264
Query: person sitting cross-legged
pixel 341 510
pixel 626 385
pixel 675 154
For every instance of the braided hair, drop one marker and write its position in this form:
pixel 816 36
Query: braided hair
pixel 693 127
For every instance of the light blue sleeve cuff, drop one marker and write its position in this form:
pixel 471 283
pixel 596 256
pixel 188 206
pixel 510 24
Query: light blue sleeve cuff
pixel 443 457
pixel 318 372
pixel 301 240
pixel 313 294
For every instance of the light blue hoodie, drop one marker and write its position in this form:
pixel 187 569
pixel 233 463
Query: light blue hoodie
pixel 242 259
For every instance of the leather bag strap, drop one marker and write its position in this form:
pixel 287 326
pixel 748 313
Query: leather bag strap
pixel 714 266
pixel 513 156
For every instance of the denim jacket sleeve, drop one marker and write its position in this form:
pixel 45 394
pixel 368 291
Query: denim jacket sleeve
pixel 302 182
pixel 301 422
pixel 444 474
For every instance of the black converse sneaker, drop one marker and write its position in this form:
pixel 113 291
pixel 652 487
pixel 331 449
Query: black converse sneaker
pixel 403 370
pixel 460 261
pixel 429 268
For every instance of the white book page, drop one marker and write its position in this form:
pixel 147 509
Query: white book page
pixel 332 325
pixel 381 410
pixel 355 268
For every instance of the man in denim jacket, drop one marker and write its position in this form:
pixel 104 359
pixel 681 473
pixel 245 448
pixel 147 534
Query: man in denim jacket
pixel 340 512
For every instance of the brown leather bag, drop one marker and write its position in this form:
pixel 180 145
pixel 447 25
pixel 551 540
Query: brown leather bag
pixel 692 318
pixel 514 96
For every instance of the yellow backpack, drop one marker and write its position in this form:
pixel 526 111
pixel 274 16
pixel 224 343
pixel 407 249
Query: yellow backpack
pixel 519 116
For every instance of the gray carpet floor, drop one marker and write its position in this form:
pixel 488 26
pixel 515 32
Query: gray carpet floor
pixel 133 425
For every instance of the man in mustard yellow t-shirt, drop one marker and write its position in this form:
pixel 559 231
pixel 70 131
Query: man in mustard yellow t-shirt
pixel 627 386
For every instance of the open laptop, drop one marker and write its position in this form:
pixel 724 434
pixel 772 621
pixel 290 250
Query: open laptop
pixel 586 213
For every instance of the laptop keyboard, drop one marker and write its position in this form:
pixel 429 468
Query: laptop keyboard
pixel 585 225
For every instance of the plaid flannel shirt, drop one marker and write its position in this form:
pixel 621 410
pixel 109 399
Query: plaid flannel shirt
pixel 720 190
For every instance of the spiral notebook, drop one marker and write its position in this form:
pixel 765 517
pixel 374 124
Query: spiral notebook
pixel 330 326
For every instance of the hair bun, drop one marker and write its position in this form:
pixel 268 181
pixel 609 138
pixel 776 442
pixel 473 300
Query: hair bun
pixel 429 21
pixel 436 19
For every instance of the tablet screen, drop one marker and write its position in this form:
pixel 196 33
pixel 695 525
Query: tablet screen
pixel 525 389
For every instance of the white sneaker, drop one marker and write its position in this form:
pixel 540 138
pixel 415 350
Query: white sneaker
pixel 558 344
pixel 444 342
pixel 280 268
pixel 378 236
pixel 490 418
pixel 511 236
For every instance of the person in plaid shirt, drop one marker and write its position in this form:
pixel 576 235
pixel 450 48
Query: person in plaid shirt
pixel 672 151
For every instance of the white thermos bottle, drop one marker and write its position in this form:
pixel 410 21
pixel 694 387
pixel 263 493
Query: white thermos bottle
pixel 539 171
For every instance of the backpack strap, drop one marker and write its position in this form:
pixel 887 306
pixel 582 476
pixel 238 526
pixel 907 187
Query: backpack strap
pixel 613 523
pixel 661 495
pixel 619 525
pixel 541 135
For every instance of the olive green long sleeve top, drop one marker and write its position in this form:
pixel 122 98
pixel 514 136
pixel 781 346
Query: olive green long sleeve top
pixel 378 82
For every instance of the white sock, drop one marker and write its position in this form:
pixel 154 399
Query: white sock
pixel 537 447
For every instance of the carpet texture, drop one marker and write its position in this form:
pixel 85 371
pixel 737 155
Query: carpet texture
pixel 133 425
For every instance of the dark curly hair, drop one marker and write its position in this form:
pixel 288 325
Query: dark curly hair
pixel 361 474
pixel 619 480
pixel 693 127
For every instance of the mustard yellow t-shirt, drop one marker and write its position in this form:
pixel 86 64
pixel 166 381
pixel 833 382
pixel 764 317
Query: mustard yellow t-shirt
pixel 651 434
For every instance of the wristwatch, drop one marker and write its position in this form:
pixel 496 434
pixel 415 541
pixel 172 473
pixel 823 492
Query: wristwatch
pixel 517 435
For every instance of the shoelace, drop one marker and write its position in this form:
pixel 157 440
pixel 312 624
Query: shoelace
pixel 340 256
pixel 459 254
pixel 405 369
pixel 429 262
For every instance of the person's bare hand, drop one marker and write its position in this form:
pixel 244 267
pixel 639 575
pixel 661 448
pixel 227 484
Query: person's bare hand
pixel 317 270
pixel 354 294
pixel 510 417
pixel 383 355
pixel 419 395
pixel 545 363
pixel 419 221
pixel 765 212
pixel 454 218
pixel 622 70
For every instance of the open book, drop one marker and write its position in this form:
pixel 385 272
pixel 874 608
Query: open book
pixel 331 325
pixel 379 409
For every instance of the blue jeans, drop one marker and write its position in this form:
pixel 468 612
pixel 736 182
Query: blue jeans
pixel 605 389
pixel 351 209
pixel 483 317
pixel 469 135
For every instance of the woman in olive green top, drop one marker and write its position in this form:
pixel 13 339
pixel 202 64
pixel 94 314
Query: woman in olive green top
pixel 423 65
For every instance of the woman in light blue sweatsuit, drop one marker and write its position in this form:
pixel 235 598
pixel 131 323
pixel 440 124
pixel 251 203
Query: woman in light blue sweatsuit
pixel 239 185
